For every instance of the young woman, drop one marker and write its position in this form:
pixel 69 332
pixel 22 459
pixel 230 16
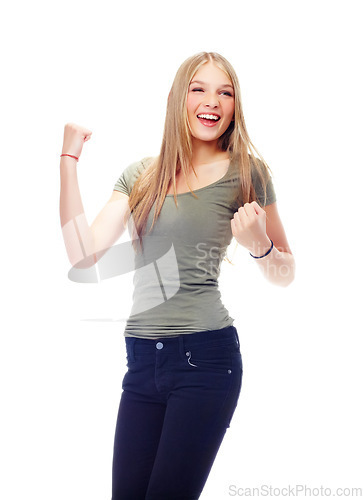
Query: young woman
pixel 183 354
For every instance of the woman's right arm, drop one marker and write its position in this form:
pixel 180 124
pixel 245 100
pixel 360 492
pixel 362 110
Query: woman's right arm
pixel 86 244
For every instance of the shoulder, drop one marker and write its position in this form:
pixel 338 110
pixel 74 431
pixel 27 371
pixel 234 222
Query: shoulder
pixel 130 175
pixel 261 180
pixel 255 163
pixel 258 170
pixel 133 171
pixel 138 167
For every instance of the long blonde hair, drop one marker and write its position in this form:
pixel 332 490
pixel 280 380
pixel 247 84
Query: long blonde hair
pixel 176 148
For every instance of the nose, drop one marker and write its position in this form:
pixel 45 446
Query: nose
pixel 211 100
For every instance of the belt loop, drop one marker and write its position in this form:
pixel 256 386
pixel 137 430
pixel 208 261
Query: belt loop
pixel 181 345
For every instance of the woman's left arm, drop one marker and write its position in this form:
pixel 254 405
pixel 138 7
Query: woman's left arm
pixel 253 227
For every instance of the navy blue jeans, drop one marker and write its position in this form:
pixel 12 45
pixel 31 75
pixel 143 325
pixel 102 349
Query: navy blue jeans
pixel 179 395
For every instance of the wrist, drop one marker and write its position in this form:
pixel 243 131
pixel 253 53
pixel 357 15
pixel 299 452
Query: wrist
pixel 68 166
pixel 68 160
pixel 70 156
pixel 261 248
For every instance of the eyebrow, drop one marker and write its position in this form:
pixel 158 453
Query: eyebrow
pixel 203 83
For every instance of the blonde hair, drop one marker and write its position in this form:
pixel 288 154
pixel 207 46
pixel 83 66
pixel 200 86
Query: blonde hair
pixel 176 148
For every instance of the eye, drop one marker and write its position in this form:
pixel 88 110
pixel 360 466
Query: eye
pixel 197 89
pixel 226 92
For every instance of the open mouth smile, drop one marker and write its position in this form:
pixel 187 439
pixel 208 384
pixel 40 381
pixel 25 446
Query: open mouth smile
pixel 208 119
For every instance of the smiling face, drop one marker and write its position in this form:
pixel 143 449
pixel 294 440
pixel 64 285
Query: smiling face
pixel 210 103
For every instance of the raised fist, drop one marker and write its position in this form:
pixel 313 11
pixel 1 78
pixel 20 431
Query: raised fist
pixel 74 138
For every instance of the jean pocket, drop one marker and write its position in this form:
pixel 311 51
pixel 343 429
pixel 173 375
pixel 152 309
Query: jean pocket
pixel 215 359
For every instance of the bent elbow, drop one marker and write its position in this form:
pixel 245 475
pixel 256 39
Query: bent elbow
pixel 290 277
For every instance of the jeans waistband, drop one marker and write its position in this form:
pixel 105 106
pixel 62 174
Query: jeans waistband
pixel 220 337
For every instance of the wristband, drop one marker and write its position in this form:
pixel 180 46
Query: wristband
pixel 64 154
pixel 268 251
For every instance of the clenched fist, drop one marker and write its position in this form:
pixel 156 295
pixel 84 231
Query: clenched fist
pixel 74 138
pixel 249 228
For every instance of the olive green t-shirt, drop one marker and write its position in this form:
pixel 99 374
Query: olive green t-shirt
pixel 176 276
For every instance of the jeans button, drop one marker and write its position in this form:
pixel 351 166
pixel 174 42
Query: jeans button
pixel 159 345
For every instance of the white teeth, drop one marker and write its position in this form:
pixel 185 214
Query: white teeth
pixel 209 117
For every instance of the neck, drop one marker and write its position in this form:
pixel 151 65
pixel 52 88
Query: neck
pixel 207 152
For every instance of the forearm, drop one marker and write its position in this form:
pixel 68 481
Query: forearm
pixel 278 267
pixel 76 232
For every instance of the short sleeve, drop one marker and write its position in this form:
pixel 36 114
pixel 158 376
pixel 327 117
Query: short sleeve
pixel 121 184
pixel 270 189
pixel 129 176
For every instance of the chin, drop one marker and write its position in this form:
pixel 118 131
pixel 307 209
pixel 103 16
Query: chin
pixel 207 137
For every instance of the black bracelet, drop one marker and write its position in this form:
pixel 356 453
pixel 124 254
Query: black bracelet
pixel 268 251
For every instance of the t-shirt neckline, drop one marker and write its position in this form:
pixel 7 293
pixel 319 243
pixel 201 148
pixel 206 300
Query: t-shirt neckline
pixel 208 185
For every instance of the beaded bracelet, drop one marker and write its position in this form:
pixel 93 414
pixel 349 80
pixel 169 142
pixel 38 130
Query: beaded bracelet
pixel 268 251
pixel 64 154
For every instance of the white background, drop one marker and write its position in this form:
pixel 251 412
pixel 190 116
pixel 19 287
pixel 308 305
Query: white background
pixel 109 67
